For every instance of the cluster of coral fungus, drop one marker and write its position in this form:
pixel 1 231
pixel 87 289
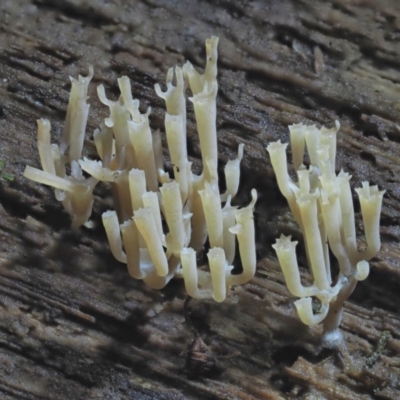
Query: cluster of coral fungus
pixel 162 221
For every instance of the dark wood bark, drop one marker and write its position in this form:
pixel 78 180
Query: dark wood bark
pixel 73 324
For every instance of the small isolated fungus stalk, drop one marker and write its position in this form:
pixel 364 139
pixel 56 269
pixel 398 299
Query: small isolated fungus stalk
pixel 161 223
pixel 74 190
pixel 322 204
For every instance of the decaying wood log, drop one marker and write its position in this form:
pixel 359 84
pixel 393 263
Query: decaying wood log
pixel 73 325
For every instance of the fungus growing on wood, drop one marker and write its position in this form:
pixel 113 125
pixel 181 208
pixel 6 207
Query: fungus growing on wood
pixel 74 190
pixel 322 204
pixel 189 204
pixel 160 223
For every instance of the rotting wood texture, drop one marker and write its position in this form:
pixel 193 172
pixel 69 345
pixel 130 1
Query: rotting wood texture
pixel 73 324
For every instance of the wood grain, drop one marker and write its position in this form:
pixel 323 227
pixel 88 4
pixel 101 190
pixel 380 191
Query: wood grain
pixel 73 324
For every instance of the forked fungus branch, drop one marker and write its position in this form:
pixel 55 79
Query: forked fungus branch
pixel 74 191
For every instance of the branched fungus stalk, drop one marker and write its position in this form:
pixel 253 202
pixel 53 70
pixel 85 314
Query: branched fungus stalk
pixel 322 204
pixel 74 190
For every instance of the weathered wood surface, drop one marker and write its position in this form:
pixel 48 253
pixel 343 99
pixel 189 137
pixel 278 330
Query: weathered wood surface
pixel 73 324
